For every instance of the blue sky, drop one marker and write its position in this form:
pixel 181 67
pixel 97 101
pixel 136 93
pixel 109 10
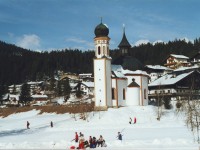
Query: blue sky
pixel 59 24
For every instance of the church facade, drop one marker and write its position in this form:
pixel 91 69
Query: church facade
pixel 114 86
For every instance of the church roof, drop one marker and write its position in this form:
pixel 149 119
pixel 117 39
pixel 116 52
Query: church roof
pixel 133 84
pixel 124 42
pixel 101 30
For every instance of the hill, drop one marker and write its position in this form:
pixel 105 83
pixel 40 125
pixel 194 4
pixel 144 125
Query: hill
pixel 19 65
pixel 147 133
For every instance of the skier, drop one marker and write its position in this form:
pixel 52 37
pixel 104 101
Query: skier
pixel 130 120
pixel 27 125
pixel 119 136
pixel 76 137
pixel 134 120
pixel 51 124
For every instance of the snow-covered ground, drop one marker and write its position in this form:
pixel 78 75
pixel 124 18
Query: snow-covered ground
pixel 147 133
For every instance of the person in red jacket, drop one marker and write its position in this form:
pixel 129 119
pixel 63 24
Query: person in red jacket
pixel 134 120
pixel 81 144
pixel 76 137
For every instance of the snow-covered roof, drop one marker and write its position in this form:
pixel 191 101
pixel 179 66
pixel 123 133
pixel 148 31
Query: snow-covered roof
pixel 169 79
pixel 39 96
pixel 179 56
pixel 137 72
pixel 34 82
pixel 89 84
pixel 118 74
pixel 158 67
pixel 186 68
pixel 85 74
pixel 14 96
pixel 116 68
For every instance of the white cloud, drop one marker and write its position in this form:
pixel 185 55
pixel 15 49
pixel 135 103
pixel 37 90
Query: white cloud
pixel 157 41
pixel 31 41
pixel 89 45
pixel 140 42
pixel 187 40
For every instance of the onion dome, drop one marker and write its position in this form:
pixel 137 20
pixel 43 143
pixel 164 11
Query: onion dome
pixel 101 30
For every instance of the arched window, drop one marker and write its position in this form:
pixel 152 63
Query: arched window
pixel 99 50
pixel 108 51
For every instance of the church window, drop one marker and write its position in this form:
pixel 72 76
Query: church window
pixel 124 94
pixel 113 93
pixel 145 93
pixel 99 50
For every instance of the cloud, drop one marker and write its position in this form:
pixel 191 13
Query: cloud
pixel 140 42
pixel 31 41
pixel 158 41
pixel 80 43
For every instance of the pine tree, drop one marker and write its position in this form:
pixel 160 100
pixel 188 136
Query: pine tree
pixel 66 89
pixel 25 96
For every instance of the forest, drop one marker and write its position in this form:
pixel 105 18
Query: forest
pixel 20 65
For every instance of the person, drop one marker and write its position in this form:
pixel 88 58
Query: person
pixel 80 134
pixel 90 141
pixel 134 120
pixel 51 123
pixel 94 142
pixel 81 144
pixel 119 136
pixel 76 137
pixel 27 125
pixel 100 141
pixel 130 120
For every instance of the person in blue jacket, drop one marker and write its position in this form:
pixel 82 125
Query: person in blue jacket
pixel 119 136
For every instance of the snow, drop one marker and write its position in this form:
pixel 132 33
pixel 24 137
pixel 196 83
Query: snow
pixel 138 72
pixel 148 133
pixel 158 67
pixel 89 84
pixel 180 56
pixel 169 79
pixel 186 68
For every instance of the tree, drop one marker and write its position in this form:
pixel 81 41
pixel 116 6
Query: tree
pixel 25 96
pixel 66 89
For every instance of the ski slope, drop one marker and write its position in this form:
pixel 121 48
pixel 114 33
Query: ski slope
pixel 147 133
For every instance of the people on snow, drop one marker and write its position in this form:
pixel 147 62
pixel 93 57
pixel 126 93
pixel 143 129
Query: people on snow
pixel 27 125
pixel 119 136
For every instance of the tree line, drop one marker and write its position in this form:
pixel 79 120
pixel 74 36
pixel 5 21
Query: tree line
pixel 20 65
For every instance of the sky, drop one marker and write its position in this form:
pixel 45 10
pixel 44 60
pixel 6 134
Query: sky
pixel 44 25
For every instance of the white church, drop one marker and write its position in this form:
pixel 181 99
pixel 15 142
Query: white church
pixel 114 86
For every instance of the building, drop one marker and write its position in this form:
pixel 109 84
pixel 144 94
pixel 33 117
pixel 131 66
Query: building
pixel 156 71
pixel 195 60
pixel 176 61
pixel 129 87
pixel 175 86
pixel 113 85
pixel 102 67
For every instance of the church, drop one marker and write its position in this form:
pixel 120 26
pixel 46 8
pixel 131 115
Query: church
pixel 115 86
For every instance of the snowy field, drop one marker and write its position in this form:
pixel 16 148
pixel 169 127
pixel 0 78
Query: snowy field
pixel 147 134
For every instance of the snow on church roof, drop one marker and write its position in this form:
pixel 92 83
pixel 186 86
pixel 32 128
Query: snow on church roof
pixel 139 72
pixel 116 68
pixel 169 79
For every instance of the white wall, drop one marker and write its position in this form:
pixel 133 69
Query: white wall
pixel 122 84
pixel 133 96
pixel 102 79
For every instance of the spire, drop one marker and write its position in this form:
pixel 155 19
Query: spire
pixel 124 42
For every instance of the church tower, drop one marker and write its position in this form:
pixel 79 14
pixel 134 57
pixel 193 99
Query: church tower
pixel 102 67
pixel 124 45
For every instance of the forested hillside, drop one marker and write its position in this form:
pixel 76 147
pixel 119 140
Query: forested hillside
pixel 19 65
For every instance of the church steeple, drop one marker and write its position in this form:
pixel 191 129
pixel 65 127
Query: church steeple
pixel 101 40
pixel 124 45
